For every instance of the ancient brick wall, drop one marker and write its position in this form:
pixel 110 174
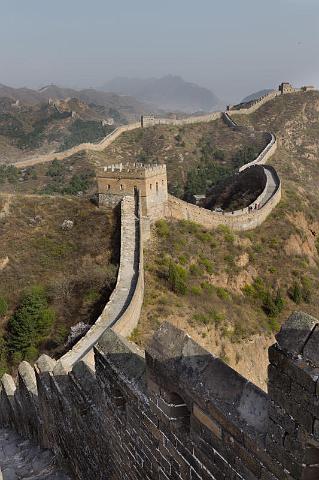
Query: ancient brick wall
pixel 239 221
pixel 126 300
pixel 175 412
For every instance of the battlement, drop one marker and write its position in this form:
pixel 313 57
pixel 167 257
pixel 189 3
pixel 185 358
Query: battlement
pixel 131 170
pixel 175 412
pixel 115 181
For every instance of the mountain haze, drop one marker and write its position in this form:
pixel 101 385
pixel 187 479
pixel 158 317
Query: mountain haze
pixel 170 93
pixel 127 106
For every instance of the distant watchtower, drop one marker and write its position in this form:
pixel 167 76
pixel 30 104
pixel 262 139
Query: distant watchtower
pixel 115 181
pixel 286 87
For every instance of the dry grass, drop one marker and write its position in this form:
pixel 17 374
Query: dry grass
pixel 77 267
pixel 282 252
pixel 178 147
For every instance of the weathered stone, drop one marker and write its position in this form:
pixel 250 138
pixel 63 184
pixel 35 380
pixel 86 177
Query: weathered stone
pixel 295 331
pixel 311 349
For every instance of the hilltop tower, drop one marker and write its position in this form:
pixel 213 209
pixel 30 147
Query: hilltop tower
pixel 150 180
pixel 286 87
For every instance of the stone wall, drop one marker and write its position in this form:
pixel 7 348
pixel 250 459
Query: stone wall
pixel 125 302
pixel 105 142
pixel 240 220
pixel 251 107
pixel 150 121
pixel 175 412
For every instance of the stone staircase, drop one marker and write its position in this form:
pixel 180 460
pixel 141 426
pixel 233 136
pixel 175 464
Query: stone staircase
pixel 20 459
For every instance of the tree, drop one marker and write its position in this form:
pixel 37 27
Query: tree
pixel 295 293
pixel 177 277
pixel 31 323
pixel 3 356
pixel 3 306
pixel 273 305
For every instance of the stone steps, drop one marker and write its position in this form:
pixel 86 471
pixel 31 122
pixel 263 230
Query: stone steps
pixel 21 459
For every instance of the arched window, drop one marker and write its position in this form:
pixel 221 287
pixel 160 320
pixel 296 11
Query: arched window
pixel 121 187
pixel 109 187
pixel 150 186
pixel 156 187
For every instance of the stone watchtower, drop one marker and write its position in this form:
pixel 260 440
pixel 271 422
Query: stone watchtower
pixel 286 87
pixel 150 180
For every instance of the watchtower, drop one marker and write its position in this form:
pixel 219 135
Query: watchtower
pixel 286 87
pixel 150 180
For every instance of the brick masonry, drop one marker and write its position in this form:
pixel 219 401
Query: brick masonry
pixel 174 411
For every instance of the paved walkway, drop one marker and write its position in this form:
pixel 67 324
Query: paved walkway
pixel 271 186
pixel 20 459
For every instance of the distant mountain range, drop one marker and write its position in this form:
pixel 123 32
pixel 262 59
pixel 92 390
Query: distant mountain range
pixel 170 93
pixel 256 95
pixel 127 107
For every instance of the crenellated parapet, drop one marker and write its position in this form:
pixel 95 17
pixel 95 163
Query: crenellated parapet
pixel 174 411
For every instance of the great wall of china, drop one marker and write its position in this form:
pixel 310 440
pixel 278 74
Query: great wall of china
pixel 174 411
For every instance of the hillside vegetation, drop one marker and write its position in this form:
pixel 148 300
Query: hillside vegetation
pixel 231 290
pixel 58 265
pixel 74 176
pixel 42 128
pixel 197 156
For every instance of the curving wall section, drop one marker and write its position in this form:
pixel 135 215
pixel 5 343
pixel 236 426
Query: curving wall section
pixel 123 308
pixel 244 219
pixel 105 142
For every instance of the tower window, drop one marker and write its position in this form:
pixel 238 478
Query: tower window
pixel 121 187
pixel 150 186
pixel 156 187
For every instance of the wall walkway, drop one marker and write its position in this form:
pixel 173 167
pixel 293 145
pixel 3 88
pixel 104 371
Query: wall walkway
pixel 124 305
pixel 243 219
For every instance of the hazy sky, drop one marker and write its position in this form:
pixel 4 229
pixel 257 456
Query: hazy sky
pixel 234 47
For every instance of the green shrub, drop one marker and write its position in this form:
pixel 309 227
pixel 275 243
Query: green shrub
pixel 205 237
pixel 227 233
pixel 162 228
pixel 3 356
pixel 273 305
pixel 195 270
pixel 182 259
pixel 177 278
pixel 222 293
pixel 207 264
pixel 3 306
pixel 196 290
pixel 295 292
pixel 91 296
pixel 208 287
pixel 216 317
pixel 135 335
pixel 202 319
pixel 189 227
pixel 306 284
pixel 56 169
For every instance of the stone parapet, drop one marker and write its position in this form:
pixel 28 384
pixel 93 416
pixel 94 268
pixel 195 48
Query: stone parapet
pixel 125 302
pixel 175 411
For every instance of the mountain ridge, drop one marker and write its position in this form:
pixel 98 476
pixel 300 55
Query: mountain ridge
pixel 170 92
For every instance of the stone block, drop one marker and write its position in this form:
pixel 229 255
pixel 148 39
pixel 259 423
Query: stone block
pixel 208 422
pixel 295 332
pixel 311 349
